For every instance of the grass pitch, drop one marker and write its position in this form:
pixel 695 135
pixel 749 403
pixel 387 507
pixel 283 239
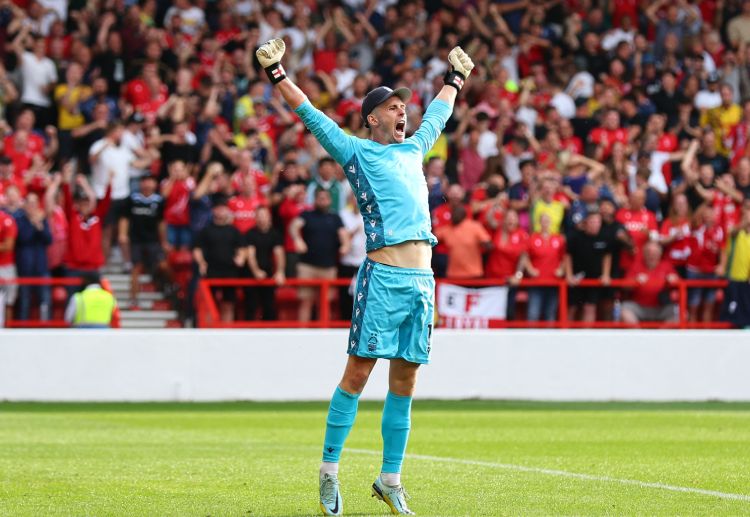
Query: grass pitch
pixel 467 458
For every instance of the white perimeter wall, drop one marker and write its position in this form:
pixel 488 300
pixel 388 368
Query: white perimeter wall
pixel 131 365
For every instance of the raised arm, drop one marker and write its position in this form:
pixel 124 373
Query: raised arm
pixel 333 139
pixel 440 109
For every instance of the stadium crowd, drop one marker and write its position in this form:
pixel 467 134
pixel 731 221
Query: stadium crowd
pixel 596 139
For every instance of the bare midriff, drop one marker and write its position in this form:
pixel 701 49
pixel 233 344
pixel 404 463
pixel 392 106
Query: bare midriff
pixel 410 254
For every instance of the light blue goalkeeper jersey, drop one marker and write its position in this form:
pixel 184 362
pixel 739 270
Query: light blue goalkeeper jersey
pixel 388 180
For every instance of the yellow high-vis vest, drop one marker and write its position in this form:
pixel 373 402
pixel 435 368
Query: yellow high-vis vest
pixel 94 307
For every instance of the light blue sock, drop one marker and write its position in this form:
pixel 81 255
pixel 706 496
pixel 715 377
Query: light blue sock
pixel 395 428
pixel 340 419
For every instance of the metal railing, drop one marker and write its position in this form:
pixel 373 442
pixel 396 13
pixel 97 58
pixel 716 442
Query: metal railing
pixel 208 312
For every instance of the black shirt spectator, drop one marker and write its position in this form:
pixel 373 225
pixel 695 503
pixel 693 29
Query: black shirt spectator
pixel 321 232
pixel 145 213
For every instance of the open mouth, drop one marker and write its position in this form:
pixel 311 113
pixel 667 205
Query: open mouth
pixel 400 127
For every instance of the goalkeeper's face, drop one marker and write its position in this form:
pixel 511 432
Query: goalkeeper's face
pixel 389 124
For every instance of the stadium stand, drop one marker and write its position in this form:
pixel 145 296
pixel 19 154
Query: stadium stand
pixel 589 132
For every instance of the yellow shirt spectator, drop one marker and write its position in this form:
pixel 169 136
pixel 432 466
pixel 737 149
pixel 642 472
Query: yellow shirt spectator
pixel 723 118
pixel 67 98
pixel 554 209
pixel 739 257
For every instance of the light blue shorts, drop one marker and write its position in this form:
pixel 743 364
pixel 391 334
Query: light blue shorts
pixel 393 313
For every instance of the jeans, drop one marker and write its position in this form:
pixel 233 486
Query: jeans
pixel 542 301
pixel 25 296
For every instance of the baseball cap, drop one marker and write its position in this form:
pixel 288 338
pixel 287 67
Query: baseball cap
pixel 378 96
pixel 713 77
pixel 137 118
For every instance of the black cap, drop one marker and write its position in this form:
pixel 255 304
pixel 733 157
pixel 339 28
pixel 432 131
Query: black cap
pixel 713 77
pixel 136 118
pixel 378 96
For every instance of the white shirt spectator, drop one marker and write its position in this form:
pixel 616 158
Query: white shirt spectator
pixel 564 105
pixel 37 75
pixel 133 142
pixel 113 158
pixel 193 19
pixel 354 225
pixel 487 145
pixel 581 85
pixel 613 38
pixel 706 100
pixel 344 78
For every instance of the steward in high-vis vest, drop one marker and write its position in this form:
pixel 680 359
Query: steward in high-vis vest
pixel 93 307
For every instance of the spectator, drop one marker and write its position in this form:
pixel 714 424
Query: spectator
pixel 509 245
pixel 143 231
pixel 290 209
pixel 110 165
pixel 219 252
pixel 640 224
pixel 588 256
pixel 706 243
pixel 675 233
pixel 93 307
pixel 326 180
pixel 736 307
pixel 38 75
pixel 738 28
pixel 245 204
pixel 85 217
pixel 31 255
pixel 442 217
pixel 466 241
pixel 650 298
pixel 519 193
pixel 545 203
pixel 546 252
pixel 69 97
pixel 349 264
pixel 177 190
pixel 8 287
pixel 320 238
pixel 266 260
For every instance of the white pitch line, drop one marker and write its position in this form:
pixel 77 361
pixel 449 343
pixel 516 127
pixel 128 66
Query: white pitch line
pixel 565 473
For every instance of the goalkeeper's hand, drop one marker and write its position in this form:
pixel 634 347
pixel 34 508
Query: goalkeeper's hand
pixel 461 66
pixel 271 52
pixel 460 61
pixel 269 56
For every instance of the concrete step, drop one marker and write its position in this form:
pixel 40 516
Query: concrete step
pixel 124 277
pixel 124 294
pixel 144 324
pixel 126 314
pixel 125 286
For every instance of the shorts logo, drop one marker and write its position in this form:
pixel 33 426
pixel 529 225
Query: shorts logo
pixel 372 343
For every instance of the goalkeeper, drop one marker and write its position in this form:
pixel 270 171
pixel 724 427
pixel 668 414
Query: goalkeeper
pixel 393 305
